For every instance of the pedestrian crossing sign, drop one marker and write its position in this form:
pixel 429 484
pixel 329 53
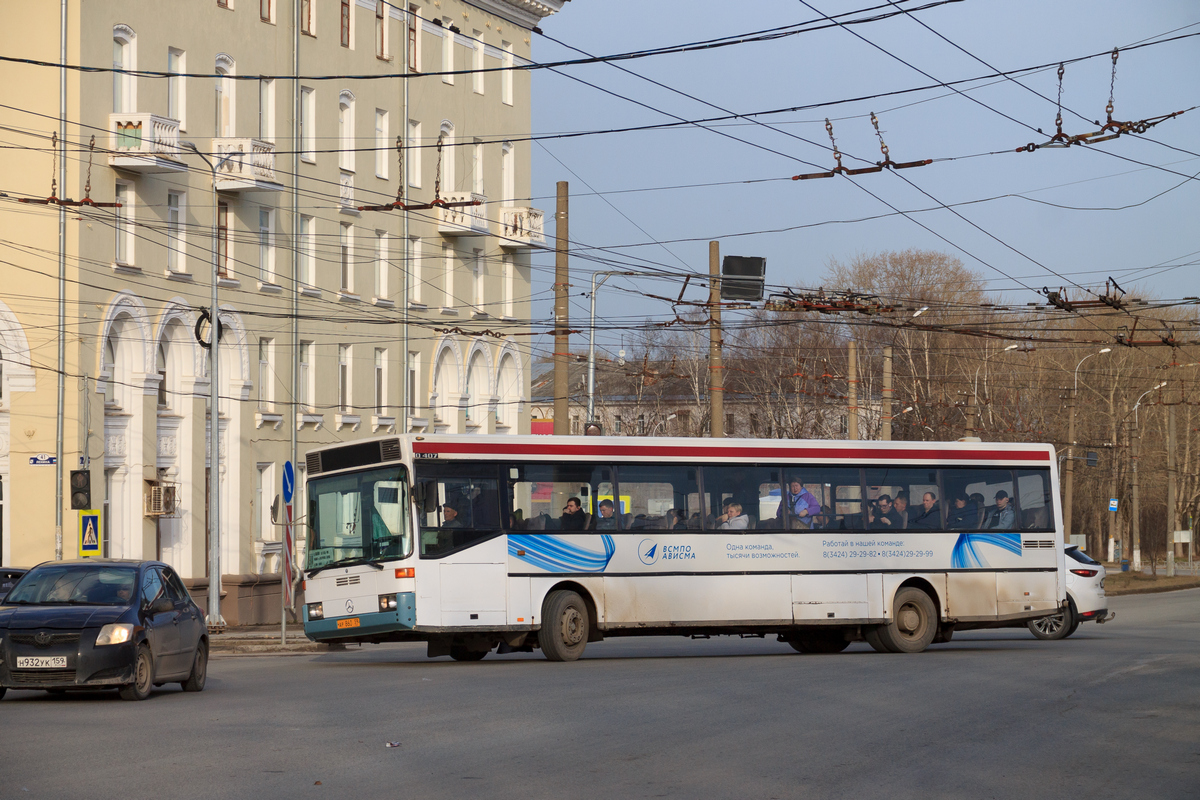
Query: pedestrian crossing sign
pixel 90 533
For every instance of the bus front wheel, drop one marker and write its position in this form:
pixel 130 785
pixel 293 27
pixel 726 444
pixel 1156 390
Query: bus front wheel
pixel 564 631
pixel 913 626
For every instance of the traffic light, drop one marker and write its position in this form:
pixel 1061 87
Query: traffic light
pixel 81 488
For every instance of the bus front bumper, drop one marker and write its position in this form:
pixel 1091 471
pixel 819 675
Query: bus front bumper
pixel 404 617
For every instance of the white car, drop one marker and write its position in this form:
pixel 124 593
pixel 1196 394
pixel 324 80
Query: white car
pixel 1085 597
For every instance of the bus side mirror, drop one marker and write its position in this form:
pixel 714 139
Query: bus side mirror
pixel 418 492
pixel 1093 458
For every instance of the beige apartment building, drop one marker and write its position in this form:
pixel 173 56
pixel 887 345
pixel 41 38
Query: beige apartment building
pixel 336 323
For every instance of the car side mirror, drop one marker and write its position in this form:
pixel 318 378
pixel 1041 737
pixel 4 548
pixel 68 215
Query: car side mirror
pixel 161 606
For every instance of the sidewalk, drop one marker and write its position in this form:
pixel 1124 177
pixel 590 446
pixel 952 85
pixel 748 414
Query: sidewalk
pixel 249 640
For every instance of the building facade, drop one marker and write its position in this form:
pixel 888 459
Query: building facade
pixel 335 322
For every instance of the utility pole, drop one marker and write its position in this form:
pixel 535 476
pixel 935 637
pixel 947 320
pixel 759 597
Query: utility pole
pixel 1069 467
pixel 562 339
pixel 1172 514
pixel 886 418
pixel 972 411
pixel 716 378
pixel 852 382
pixel 1112 492
pixel 1137 451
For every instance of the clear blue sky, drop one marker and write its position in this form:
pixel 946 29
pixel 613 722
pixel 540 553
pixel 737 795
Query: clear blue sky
pixel 1154 246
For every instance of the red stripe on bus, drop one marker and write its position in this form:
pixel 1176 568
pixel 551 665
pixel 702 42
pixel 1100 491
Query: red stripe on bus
pixel 905 454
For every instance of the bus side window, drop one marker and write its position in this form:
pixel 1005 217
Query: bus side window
pixel 1036 499
pixel 461 506
pixel 660 497
pixel 753 491
pixel 981 499
pixel 540 493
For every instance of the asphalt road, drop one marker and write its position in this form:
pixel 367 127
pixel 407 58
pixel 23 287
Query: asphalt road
pixel 1112 712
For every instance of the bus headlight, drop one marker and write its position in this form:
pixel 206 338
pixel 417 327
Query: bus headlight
pixel 316 611
pixel 387 602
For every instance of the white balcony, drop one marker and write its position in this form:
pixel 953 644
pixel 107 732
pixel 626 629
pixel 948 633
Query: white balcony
pixel 144 143
pixel 249 165
pixel 463 220
pixel 521 227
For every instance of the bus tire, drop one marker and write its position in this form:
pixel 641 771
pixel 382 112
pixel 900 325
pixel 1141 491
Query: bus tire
pixel 914 622
pixel 565 624
pixel 830 642
pixel 871 635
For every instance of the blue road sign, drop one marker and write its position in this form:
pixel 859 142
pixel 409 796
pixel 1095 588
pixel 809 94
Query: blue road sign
pixel 289 481
pixel 1112 504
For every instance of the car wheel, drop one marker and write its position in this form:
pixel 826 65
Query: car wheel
pixel 564 631
pixel 460 653
pixel 195 681
pixel 143 676
pixel 914 623
pixel 1058 626
pixel 3 691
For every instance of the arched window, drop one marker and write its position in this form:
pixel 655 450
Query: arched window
pixel 226 103
pixel 161 366
pixel 447 157
pixel 477 390
pixel 445 384
pixel 124 99
pixel 508 389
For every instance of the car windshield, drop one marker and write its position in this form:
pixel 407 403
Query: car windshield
pixel 358 517
pixel 1080 556
pixel 75 584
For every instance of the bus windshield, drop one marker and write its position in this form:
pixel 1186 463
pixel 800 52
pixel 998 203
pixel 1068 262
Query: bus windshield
pixel 359 517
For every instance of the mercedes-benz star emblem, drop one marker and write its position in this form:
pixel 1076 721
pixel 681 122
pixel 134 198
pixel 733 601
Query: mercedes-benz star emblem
pixel 41 638
pixel 349 606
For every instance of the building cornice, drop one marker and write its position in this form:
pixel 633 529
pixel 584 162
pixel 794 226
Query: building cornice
pixel 522 12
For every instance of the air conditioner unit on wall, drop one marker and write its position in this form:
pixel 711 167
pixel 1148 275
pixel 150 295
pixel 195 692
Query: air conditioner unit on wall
pixel 161 499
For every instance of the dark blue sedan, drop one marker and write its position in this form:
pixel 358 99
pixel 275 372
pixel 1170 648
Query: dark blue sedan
pixel 97 623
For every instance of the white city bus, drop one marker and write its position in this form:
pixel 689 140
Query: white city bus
pixel 476 543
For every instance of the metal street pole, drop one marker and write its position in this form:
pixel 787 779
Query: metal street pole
pixel 1069 478
pixel 562 339
pixel 1137 450
pixel 716 376
pixel 852 385
pixel 1172 514
pixel 973 409
pixel 215 620
pixel 596 284
pixel 62 285
pixel 886 417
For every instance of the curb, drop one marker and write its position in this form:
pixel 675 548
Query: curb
pixel 1151 590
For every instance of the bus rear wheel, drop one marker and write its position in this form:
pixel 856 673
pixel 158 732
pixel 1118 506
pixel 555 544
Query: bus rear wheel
pixel 565 624
pixel 913 626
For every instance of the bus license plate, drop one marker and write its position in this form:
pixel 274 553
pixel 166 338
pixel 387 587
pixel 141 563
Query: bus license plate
pixel 342 623
pixel 41 662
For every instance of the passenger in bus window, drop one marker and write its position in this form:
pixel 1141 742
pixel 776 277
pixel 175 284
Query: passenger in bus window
pixel 606 521
pixel 885 517
pixel 901 506
pixel 929 515
pixel 732 518
pixel 799 505
pixel 573 518
pixel 1002 516
pixel 963 515
pixel 678 519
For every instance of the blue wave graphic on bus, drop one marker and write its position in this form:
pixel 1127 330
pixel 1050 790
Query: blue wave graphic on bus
pixel 556 555
pixel 966 555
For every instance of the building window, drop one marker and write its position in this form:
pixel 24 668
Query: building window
pixel 123 225
pixel 381 50
pixel 226 104
pixel 223 4
pixel 508 174
pixel 177 87
pixel 506 77
pixel 480 277
pixel 345 248
pixel 412 155
pixel 266 375
pixel 447 52
pixel 728 424
pixel 222 239
pixel 124 62
pixel 448 269
pixel 641 429
pixel 344 378
pixel 477 61
pixel 414 29
pixel 308 250
pixel 381 265
pixel 509 278
pixel 175 253
pixel 413 405
pixel 306 17
pixel 163 400
pixel 380 381
pixel 308 129
pixel 346 131
pixel 266 245
pixel 266 110
pixel 381 144
pixel 346 20
pixel 477 167
pixel 617 424
pixel 266 10
pixel 305 376
pixel 413 268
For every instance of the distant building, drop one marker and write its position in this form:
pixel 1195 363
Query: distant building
pixel 372 289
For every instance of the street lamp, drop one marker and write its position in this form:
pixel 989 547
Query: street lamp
pixel 661 422
pixel 975 390
pixel 215 621
pixel 1137 451
pixel 1069 483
